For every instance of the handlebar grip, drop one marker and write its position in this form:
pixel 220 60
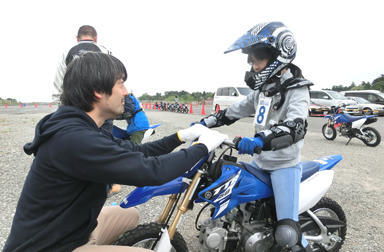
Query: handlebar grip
pixel 236 141
pixel 257 150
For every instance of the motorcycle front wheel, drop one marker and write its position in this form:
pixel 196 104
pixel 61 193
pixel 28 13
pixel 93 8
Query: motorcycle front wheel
pixel 373 136
pixel 328 208
pixel 329 132
pixel 144 236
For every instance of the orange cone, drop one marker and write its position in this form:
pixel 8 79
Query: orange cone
pixel 217 108
pixel 191 110
pixel 203 110
pixel 35 105
pixel 6 105
pixel 50 105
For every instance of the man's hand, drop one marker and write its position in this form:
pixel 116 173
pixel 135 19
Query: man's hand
pixel 212 139
pixel 192 133
pixel 250 145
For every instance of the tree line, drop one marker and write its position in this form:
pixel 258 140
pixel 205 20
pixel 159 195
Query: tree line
pixel 182 96
pixel 8 101
pixel 377 84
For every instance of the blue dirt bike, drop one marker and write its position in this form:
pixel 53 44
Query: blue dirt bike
pixel 351 127
pixel 242 215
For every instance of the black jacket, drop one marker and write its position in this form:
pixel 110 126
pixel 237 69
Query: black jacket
pixel 66 186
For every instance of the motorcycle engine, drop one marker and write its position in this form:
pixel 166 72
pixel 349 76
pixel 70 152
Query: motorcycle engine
pixel 345 130
pixel 260 241
pixel 213 235
pixel 236 231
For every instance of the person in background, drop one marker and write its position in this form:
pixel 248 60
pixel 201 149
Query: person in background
pixel 137 120
pixel 86 42
pixel 137 125
pixel 61 206
pixel 280 106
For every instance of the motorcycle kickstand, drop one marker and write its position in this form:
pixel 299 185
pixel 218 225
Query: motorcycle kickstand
pixel 349 141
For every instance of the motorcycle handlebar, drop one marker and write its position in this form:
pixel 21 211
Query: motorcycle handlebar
pixel 234 144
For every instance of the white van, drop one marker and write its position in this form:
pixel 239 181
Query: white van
pixel 329 98
pixel 374 96
pixel 226 96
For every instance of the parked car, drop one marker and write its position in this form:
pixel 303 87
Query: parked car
pixel 329 98
pixel 317 109
pixel 226 96
pixel 364 107
pixel 373 96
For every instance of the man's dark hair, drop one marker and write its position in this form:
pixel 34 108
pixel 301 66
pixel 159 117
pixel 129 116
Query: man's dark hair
pixel 91 72
pixel 87 30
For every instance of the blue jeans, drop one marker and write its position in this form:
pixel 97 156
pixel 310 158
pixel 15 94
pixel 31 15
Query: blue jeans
pixel 286 188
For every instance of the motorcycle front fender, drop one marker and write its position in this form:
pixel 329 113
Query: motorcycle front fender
pixel 142 194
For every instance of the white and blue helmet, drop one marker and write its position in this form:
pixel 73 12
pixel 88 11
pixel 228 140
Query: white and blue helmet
pixel 274 35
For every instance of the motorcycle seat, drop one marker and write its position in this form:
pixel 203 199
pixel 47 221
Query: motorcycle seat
pixel 353 118
pixel 309 168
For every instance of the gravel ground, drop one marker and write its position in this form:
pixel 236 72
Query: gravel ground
pixel 357 186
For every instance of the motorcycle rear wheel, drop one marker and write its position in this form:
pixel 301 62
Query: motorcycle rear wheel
pixel 329 132
pixel 374 136
pixel 329 208
pixel 143 236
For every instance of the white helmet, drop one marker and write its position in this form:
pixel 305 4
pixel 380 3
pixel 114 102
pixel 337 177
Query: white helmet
pixel 274 36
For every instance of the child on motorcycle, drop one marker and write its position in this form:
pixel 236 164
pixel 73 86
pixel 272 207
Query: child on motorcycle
pixel 280 104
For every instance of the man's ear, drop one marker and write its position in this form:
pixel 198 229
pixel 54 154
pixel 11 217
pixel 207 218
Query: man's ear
pixel 95 39
pixel 77 38
pixel 98 95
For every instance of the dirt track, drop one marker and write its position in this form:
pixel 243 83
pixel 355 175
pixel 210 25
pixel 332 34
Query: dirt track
pixel 358 184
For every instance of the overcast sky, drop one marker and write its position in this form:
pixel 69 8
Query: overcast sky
pixel 179 45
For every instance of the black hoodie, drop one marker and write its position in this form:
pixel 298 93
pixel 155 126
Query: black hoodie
pixel 66 186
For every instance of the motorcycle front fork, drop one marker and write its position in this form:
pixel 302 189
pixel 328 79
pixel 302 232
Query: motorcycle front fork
pixel 183 207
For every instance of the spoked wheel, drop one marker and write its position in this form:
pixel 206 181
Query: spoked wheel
pixel 335 236
pixel 329 132
pixel 373 137
pixel 144 236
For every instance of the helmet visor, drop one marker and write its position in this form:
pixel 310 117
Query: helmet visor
pixel 260 52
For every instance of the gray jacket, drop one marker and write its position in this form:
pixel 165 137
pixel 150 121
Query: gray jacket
pixel 295 106
pixel 62 68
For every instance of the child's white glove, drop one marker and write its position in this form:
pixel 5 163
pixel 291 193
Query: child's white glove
pixel 212 139
pixel 192 133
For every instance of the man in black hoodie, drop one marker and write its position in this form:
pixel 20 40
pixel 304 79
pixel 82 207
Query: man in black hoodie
pixel 75 160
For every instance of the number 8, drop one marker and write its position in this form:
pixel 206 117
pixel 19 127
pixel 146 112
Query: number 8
pixel 260 116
